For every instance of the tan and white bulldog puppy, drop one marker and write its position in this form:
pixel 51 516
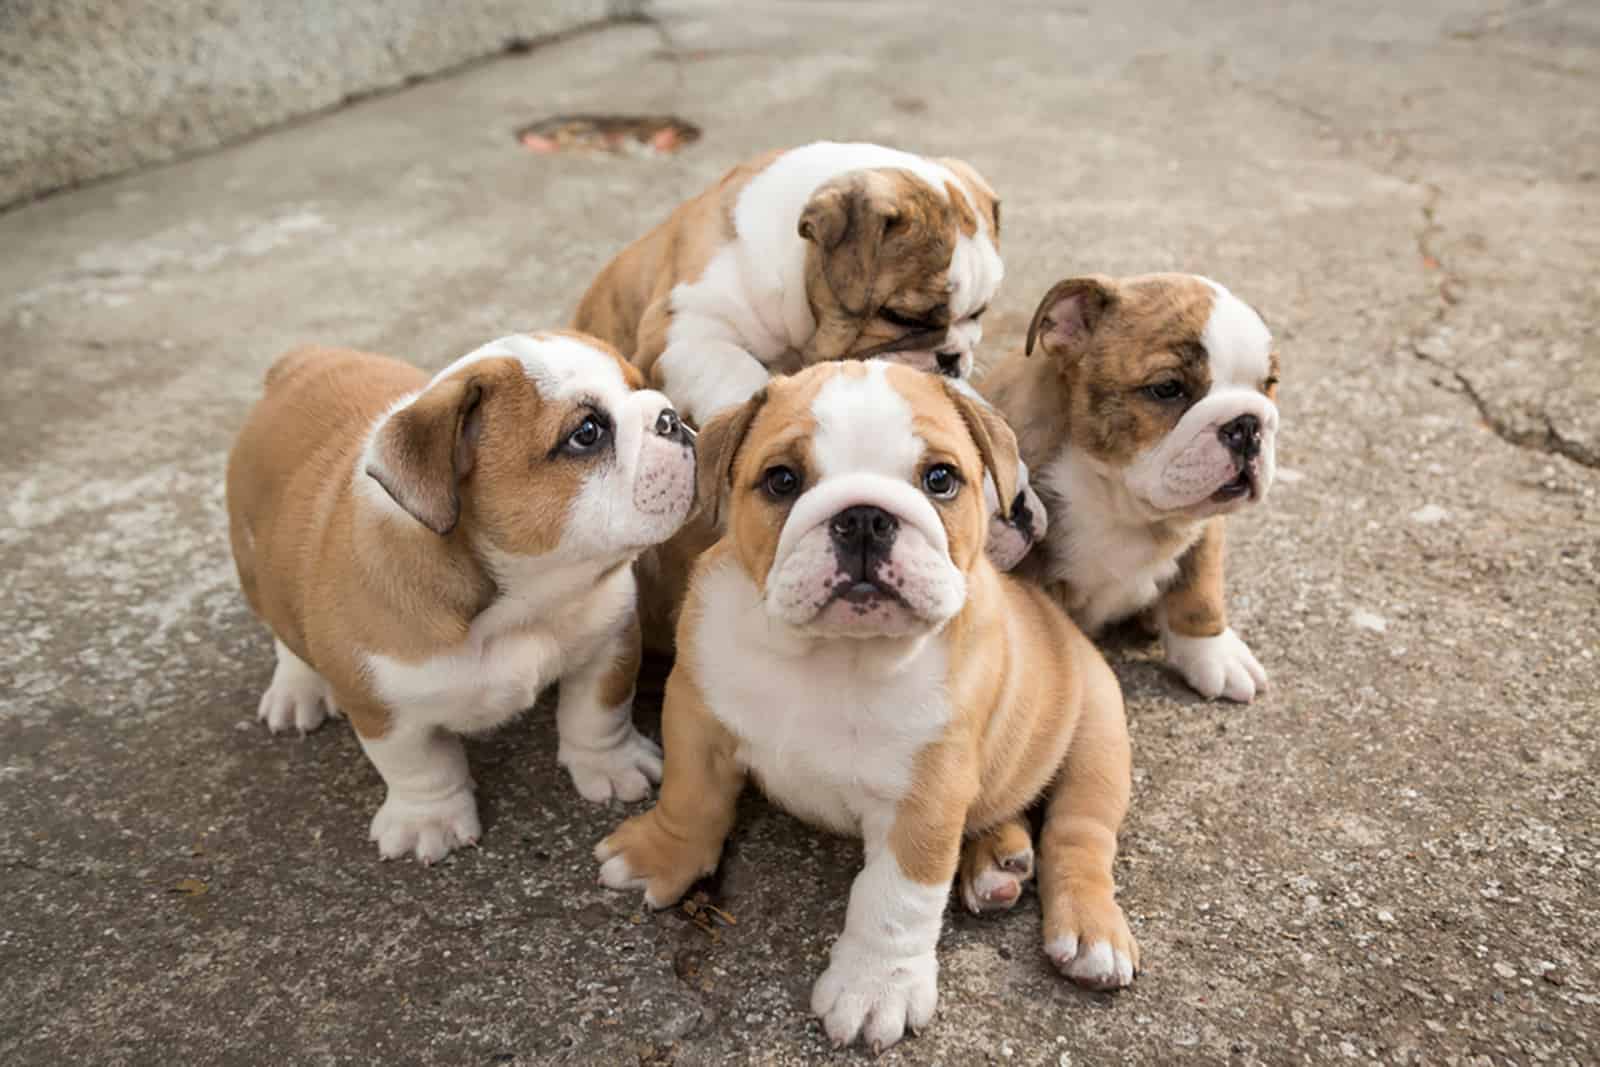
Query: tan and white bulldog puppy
pixel 1150 417
pixel 432 553
pixel 818 253
pixel 848 645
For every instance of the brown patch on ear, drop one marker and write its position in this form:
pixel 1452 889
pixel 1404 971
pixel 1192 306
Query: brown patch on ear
pixel 983 193
pixel 996 443
pixel 846 219
pixel 716 448
pixel 1271 388
pixel 966 221
pixel 1069 313
pixel 426 448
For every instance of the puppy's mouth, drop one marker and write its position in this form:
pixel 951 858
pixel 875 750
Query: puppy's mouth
pixel 1244 484
pixel 868 592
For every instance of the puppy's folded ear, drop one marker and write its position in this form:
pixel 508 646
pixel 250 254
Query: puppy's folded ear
pixel 846 219
pixel 424 450
pixel 996 443
pixel 715 450
pixel 1069 313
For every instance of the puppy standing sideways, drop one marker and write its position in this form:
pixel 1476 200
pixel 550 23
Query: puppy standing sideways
pixel 430 554
pixel 849 645
pixel 1150 416
pixel 823 252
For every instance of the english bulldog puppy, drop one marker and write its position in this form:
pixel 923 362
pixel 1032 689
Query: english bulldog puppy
pixel 431 553
pixel 847 643
pixel 1150 417
pixel 818 253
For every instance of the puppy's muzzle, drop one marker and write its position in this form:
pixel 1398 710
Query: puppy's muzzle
pixel 1242 437
pixel 862 539
pixel 671 427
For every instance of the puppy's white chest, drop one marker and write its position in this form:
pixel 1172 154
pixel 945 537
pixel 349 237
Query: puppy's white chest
pixel 831 733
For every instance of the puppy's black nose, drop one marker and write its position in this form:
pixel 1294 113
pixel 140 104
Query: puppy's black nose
pixel 671 427
pixel 949 363
pixel 862 533
pixel 1242 436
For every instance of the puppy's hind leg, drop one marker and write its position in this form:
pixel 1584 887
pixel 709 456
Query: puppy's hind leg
pixel 994 866
pixel 297 697
pixel 1086 935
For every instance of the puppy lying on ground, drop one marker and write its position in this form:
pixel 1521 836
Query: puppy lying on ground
pixel 818 253
pixel 430 554
pixel 847 643
pixel 1150 417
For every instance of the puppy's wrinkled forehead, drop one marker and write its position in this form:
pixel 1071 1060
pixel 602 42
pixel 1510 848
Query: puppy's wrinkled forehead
pixel 561 365
pixel 864 423
pixel 1199 320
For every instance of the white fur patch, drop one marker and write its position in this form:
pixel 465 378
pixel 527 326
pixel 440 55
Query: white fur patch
pixel 297 697
pixel 749 308
pixel 1221 665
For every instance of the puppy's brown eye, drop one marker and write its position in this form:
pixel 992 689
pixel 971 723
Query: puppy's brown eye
pixel 941 481
pixel 590 434
pixel 976 315
pixel 780 482
pixel 905 322
pixel 1166 391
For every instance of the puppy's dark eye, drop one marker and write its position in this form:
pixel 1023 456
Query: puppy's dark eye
pixel 780 482
pixel 590 435
pixel 905 322
pixel 1166 391
pixel 976 315
pixel 941 481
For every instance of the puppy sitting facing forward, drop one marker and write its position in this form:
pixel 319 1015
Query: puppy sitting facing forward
pixel 430 554
pixel 848 644
pixel 1150 417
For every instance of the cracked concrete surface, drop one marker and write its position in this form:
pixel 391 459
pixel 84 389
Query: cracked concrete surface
pixel 1392 856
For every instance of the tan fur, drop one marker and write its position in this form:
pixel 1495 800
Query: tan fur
pixel 337 577
pixel 1023 681
pixel 855 265
pixel 1080 392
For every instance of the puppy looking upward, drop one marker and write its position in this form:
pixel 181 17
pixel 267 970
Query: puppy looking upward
pixel 431 553
pixel 848 645
pixel 1148 415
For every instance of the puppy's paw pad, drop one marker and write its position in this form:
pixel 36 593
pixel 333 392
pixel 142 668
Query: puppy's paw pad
pixel 1095 964
pixel 1221 665
pixel 427 829
pixel 624 772
pixel 998 885
pixel 877 998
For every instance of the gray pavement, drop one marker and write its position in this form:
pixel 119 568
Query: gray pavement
pixel 1392 856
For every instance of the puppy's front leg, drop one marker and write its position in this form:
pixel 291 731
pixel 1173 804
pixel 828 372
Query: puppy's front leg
pixel 1195 633
pixel 883 972
pixel 705 377
pixel 600 748
pixel 1085 933
pixel 430 809
pixel 680 839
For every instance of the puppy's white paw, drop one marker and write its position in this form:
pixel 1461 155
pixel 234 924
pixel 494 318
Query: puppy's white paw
pixel 428 829
pixel 1216 666
pixel 625 771
pixel 997 886
pixel 875 997
pixel 1095 964
pixel 297 697
pixel 1013 533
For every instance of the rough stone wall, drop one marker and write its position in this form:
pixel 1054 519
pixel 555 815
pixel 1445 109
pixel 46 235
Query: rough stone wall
pixel 91 88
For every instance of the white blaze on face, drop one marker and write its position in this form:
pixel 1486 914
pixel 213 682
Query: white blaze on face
pixel 1185 468
pixel 866 453
pixel 642 493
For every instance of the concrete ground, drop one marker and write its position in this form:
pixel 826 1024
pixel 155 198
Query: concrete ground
pixel 1392 856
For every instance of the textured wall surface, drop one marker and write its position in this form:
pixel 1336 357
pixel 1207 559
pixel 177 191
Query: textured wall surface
pixel 90 88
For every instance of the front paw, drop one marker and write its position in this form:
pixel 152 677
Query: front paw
pixel 625 771
pixel 875 996
pixel 1222 665
pixel 642 854
pixel 1090 943
pixel 428 829
pixel 1013 535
